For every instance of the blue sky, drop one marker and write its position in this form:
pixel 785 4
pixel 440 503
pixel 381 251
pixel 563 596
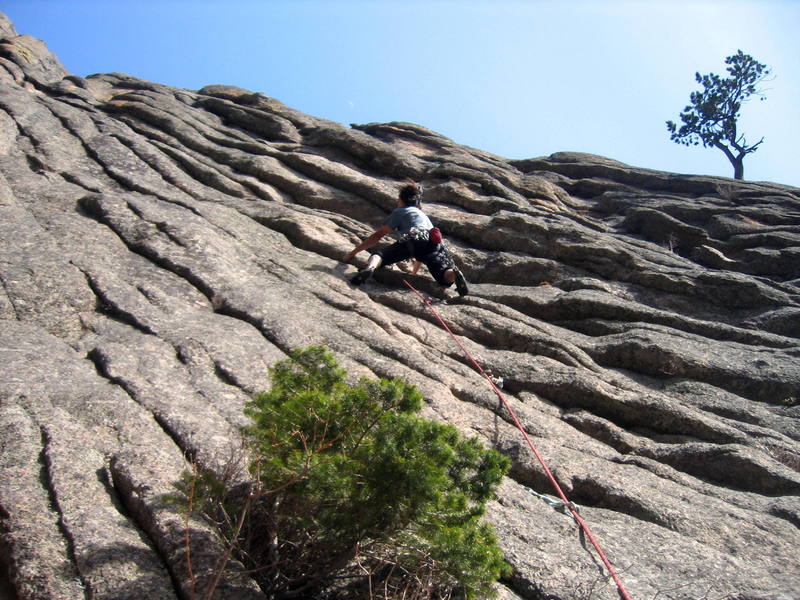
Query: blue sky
pixel 517 78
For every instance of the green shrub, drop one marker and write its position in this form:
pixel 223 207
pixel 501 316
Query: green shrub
pixel 354 495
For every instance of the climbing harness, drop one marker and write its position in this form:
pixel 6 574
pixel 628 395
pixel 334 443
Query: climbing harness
pixel 564 504
pixel 417 238
pixel 415 234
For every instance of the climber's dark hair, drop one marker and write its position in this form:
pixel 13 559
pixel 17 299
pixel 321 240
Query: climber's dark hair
pixel 410 194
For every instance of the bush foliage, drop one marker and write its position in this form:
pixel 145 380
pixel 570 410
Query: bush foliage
pixel 354 495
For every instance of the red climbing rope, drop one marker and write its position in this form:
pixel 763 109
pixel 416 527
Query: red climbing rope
pixel 569 505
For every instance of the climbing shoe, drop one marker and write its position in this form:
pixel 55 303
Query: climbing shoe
pixel 361 276
pixel 461 283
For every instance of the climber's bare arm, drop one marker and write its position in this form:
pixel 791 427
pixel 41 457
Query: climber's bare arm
pixel 367 243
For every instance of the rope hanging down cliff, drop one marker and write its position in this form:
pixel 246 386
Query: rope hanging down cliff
pixel 566 503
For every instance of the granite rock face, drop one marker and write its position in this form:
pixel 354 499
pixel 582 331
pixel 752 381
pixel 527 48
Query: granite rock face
pixel 160 248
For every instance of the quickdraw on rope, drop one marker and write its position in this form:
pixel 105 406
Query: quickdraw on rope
pixel 565 503
pixel 556 504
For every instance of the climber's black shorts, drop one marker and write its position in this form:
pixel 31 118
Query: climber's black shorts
pixel 434 256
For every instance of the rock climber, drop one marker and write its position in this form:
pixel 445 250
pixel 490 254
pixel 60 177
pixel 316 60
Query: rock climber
pixel 418 239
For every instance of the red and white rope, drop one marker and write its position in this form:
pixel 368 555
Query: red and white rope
pixel 569 505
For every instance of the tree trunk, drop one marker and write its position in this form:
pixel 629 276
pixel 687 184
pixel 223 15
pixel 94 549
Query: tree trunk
pixel 738 167
pixel 736 160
